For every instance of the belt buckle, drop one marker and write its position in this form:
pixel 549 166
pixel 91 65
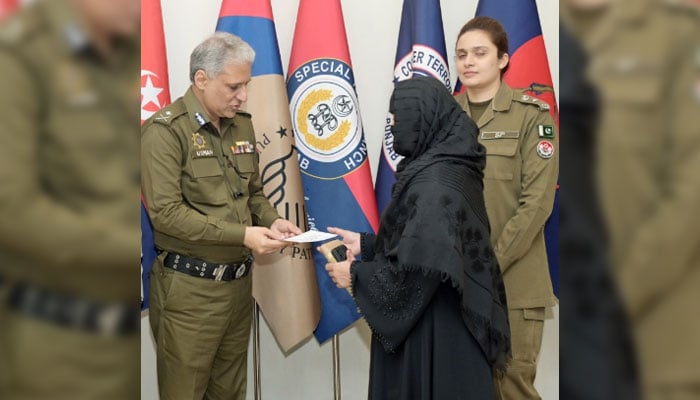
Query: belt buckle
pixel 241 270
pixel 219 271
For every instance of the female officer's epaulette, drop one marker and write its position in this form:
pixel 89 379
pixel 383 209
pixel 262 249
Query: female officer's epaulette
pixel 523 97
pixel 21 27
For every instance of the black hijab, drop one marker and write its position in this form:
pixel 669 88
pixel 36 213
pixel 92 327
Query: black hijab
pixel 429 125
pixel 436 222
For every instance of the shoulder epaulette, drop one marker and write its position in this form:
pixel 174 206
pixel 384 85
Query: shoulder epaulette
pixel 522 97
pixel 17 28
pixel 686 7
pixel 169 113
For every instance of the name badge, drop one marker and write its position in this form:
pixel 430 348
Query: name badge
pixel 490 135
pixel 203 153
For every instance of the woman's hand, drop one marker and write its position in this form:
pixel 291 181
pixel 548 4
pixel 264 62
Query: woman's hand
pixel 351 239
pixel 340 272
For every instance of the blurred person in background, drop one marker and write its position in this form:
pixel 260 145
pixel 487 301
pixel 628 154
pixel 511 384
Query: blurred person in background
pixel 595 338
pixel 69 189
pixel 644 61
pixel 522 163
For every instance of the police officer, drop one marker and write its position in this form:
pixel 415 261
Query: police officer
pixel 69 178
pixel 519 185
pixel 201 182
pixel 645 63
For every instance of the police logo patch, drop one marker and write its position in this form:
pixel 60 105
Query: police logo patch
pixel 198 141
pixel 545 149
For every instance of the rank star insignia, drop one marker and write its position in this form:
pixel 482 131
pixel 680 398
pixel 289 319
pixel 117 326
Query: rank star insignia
pixel 200 119
pixel 198 141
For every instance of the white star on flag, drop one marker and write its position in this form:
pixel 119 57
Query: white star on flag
pixel 150 93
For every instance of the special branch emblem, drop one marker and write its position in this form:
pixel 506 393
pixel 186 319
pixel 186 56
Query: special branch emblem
pixel 326 119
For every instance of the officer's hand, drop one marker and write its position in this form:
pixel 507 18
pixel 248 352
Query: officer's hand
pixel 351 239
pixel 262 240
pixel 284 228
pixel 340 272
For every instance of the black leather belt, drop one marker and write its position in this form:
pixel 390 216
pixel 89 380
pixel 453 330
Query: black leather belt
pixel 73 312
pixel 209 270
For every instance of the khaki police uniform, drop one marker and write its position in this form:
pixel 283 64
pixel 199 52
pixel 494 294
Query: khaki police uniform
pixel 202 187
pixel 519 186
pixel 645 63
pixel 69 173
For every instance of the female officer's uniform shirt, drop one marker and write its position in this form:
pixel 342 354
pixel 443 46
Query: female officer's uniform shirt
pixel 519 186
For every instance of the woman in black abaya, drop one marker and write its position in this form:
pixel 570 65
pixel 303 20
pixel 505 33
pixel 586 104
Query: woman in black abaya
pixel 428 283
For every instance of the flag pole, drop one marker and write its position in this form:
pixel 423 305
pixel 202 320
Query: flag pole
pixel 336 367
pixel 256 352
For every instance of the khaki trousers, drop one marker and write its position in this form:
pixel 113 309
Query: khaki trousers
pixel 673 392
pixel 45 361
pixel 518 383
pixel 201 329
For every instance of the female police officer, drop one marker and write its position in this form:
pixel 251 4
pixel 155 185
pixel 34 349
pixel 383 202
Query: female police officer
pixel 519 184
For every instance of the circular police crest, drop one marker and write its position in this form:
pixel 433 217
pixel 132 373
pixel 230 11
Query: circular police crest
pixel 545 149
pixel 326 119
pixel 198 141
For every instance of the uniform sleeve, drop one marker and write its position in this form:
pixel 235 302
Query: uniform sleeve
pixel 538 185
pixel 664 249
pixel 36 224
pixel 161 157
pixel 261 209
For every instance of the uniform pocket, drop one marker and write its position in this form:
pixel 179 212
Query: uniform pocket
pixel 499 158
pixel 207 185
pixel 206 167
pixel 245 168
pixel 245 163
pixel 537 314
pixel 501 147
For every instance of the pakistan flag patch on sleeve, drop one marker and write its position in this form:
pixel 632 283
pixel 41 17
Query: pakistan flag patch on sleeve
pixel 546 131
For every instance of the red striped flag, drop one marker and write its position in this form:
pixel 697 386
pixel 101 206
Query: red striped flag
pixel 7 7
pixel 155 94
pixel 155 88
pixel 332 150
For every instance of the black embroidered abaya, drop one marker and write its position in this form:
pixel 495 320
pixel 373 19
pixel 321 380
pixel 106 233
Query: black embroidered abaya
pixel 429 284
